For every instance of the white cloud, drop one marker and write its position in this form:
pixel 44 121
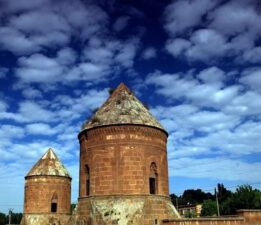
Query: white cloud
pixel 206 44
pixel 209 30
pixel 3 106
pixel 246 104
pixel 66 56
pixel 177 46
pixel 38 68
pixel 69 107
pixel 121 23
pixel 31 93
pixel 183 15
pixel 127 53
pixel 11 132
pixel 14 6
pixel 252 55
pixel 40 22
pixel 212 75
pixel 16 42
pixel 220 168
pixel 40 129
pixel 252 78
pixel 207 121
pixel 149 53
pixel 29 111
pixel 196 119
pixel 28 28
pixel 211 93
pixel 236 17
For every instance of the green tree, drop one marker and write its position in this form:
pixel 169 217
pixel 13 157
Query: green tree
pixel 223 193
pixel 246 197
pixel 73 206
pixel 195 196
pixel 209 208
pixel 173 198
pixel 3 219
pixel 226 208
pixel 16 218
pixel 190 214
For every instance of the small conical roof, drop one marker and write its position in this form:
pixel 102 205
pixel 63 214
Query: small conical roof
pixel 49 165
pixel 122 107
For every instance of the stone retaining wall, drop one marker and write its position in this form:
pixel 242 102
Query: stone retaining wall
pixel 252 216
pixel 244 217
pixel 206 221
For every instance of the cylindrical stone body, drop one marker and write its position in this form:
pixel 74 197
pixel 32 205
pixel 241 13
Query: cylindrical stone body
pixel 119 160
pixel 42 191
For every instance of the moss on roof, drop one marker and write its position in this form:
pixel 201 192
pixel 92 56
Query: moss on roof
pixel 49 165
pixel 122 107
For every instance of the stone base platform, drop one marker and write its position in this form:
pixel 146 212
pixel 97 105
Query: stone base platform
pixel 45 219
pixel 123 210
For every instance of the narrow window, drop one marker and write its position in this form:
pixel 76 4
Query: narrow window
pixel 153 179
pixel 54 207
pixel 54 203
pixel 87 173
pixel 152 185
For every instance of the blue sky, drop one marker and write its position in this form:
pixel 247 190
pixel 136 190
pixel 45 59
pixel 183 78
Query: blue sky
pixel 197 64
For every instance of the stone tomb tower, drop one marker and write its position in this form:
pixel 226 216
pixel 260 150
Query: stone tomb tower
pixel 47 198
pixel 123 165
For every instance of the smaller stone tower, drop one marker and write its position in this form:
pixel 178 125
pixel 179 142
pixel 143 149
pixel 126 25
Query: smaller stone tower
pixel 47 197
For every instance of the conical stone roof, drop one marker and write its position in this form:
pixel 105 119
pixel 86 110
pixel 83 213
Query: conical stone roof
pixel 122 107
pixel 49 165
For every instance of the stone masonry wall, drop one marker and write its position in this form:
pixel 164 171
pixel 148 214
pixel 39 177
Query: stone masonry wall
pixel 39 191
pixel 119 159
pixel 45 219
pixel 205 221
pixel 252 216
pixel 123 210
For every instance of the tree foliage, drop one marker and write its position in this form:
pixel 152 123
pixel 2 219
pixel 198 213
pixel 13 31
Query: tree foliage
pixel 209 208
pixel 15 219
pixel 245 197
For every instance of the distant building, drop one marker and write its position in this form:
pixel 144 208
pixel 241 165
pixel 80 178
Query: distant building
pixel 123 171
pixel 190 210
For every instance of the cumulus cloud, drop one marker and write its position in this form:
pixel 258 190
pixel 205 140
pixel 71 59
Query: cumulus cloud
pixel 206 167
pixel 252 78
pixel 16 42
pixel 208 92
pixel 29 111
pixel 100 58
pixel 183 15
pixel 29 28
pixel 3 106
pixel 212 75
pixel 211 30
pixel 69 107
pixel 215 124
pixel 177 46
pixel 31 93
pixel 121 23
pixel 206 43
pixel 38 68
pixel 235 17
pixel 8 131
pixel 149 53
pixel 40 129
